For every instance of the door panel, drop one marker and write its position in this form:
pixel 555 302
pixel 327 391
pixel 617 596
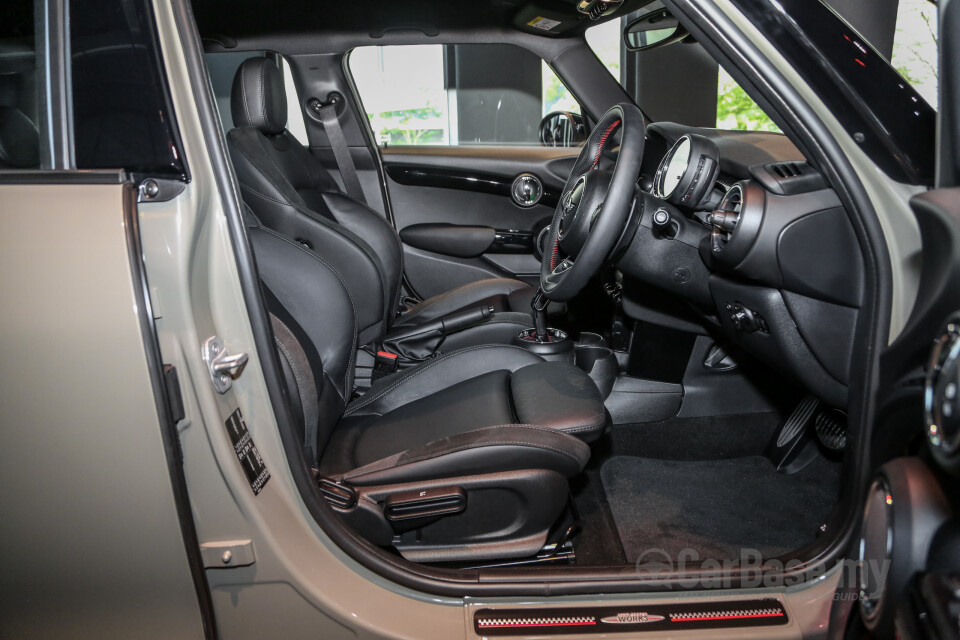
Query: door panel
pixel 471 186
pixel 92 542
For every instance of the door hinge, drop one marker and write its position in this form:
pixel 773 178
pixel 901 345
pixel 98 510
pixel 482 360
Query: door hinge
pixel 222 366
pixel 225 554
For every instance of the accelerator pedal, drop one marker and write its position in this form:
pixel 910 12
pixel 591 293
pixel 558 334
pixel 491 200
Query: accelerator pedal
pixel 794 446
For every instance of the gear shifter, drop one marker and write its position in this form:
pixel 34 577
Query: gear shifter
pixel 539 304
pixel 550 344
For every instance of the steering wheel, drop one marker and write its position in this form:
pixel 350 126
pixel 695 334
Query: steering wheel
pixel 594 206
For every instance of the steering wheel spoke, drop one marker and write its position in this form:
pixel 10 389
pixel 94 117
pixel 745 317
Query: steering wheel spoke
pixel 565 265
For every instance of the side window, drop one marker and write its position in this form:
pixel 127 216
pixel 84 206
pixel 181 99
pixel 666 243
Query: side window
pixel 295 122
pixel 457 94
pixel 20 59
pixel 734 108
pixel 122 116
pixel 915 47
pixel 737 110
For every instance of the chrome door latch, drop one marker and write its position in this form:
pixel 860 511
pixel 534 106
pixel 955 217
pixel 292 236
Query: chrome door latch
pixel 222 366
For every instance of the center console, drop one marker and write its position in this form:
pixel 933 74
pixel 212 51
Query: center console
pixel 590 353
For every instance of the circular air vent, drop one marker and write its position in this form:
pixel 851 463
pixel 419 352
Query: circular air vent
pixel 725 218
pixel 736 223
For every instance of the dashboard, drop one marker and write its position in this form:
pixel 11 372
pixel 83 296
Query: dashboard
pixel 748 233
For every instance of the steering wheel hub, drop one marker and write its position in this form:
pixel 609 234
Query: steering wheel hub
pixel 579 210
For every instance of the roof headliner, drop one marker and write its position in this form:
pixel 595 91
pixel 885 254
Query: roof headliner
pixel 260 20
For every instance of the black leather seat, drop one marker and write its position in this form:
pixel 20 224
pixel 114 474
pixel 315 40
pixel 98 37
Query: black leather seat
pixel 463 457
pixel 291 192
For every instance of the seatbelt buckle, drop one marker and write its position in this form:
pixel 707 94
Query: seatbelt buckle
pixel 384 363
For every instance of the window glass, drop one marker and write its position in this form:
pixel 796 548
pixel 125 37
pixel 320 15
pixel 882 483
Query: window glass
pixel 456 94
pixel 915 47
pixel 19 112
pixel 122 117
pixel 295 122
pixel 734 108
pixel 606 40
pixel 737 110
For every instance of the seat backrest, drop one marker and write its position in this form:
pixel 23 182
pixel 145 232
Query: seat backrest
pixel 315 327
pixel 292 193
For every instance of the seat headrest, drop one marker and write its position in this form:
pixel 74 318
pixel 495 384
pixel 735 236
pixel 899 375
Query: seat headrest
pixel 257 99
pixel 19 140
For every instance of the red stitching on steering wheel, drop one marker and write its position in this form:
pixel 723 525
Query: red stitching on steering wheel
pixel 596 161
pixel 603 141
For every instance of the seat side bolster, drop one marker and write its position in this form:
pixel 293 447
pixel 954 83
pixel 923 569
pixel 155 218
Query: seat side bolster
pixel 490 450
pixel 438 374
pixel 379 234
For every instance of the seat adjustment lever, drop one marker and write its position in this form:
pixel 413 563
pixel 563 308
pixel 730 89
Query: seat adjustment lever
pixel 413 509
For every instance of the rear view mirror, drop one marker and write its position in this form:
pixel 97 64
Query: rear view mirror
pixel 562 129
pixel 654 29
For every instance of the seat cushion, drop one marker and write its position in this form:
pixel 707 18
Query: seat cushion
pixel 480 402
pixel 547 395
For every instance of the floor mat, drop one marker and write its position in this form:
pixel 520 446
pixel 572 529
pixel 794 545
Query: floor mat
pixel 716 508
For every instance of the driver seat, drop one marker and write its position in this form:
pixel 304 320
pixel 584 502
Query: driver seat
pixel 293 194
pixel 464 457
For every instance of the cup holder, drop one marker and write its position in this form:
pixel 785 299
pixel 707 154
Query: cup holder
pixel 600 363
pixel 589 339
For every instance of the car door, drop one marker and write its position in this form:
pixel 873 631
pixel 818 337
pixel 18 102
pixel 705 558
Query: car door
pixel 90 484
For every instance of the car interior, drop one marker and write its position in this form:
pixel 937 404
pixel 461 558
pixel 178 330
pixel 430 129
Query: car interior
pixel 630 336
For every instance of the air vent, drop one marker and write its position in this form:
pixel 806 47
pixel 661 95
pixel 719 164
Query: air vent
pixel 787 178
pixel 786 170
pixel 725 218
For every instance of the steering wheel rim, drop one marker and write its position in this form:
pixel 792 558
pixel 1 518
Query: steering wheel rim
pixel 592 213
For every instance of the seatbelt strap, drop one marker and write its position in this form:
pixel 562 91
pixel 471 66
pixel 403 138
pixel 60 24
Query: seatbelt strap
pixel 341 152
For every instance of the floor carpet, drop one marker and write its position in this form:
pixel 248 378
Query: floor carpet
pixel 716 507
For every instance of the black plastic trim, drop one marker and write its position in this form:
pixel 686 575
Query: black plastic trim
pixel 421 176
pixel 892 123
pixel 141 22
pixel 168 425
